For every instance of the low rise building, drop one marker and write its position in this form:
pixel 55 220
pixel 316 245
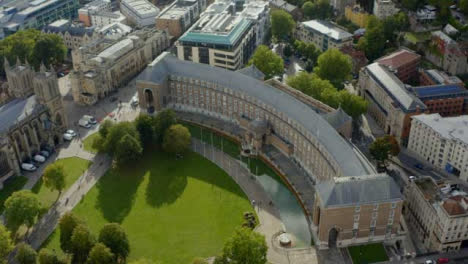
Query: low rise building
pixel 357 210
pixel 436 77
pixel 291 9
pixel 404 63
pixel 33 117
pixel 105 65
pixel 448 54
pixel 445 99
pixel 357 15
pixel 114 31
pixel 74 36
pixel 141 13
pixel 20 15
pixel 96 6
pixel 180 16
pixel 323 34
pixel 102 19
pixel 441 141
pixel 384 8
pixel 226 35
pixel 438 214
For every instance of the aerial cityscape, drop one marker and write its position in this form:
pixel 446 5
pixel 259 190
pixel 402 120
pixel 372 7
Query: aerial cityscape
pixel 233 131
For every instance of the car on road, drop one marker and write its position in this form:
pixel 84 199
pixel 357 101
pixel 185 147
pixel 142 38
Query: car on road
pixel 39 158
pixel 71 132
pixel 442 260
pixel 412 178
pixel 67 137
pixel 91 120
pixel 84 123
pixel 429 261
pixel 28 166
pixel 44 153
pixel 134 101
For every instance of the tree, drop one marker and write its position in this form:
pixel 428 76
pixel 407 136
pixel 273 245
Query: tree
pixel 46 256
pixel 67 224
pixel 412 5
pixel 307 50
pixel 144 125
pixel 373 41
pixel 245 247
pixel 309 84
pixel 463 5
pixel 82 241
pixel 26 254
pixel 100 254
pixel 114 237
pixel 176 139
pixel 128 149
pixel 54 177
pixel 382 148
pixel 49 49
pixel 105 127
pixel 116 133
pixel 267 62
pixel 352 104
pixel 287 51
pixel 282 24
pixel 319 9
pixel 21 208
pixel 5 244
pixel 334 66
pixel 163 121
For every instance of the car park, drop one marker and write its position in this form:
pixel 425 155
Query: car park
pixel 39 158
pixel 28 166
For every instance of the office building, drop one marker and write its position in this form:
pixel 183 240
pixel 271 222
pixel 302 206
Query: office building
pixel 180 16
pixel 140 13
pixel 384 8
pixel 403 63
pixel 323 34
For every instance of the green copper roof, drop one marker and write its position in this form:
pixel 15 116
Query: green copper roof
pixel 213 38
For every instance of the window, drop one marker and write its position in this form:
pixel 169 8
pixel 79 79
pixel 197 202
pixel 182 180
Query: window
pixel 356 218
pixel 394 204
pixel 357 209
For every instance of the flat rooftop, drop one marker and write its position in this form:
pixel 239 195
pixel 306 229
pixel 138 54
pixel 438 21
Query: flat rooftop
pixel 328 29
pixel 142 7
pixel 435 90
pixel 177 9
pixel 454 128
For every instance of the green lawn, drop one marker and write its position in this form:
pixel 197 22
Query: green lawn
pixel 368 253
pixel 88 143
pixel 172 210
pixel 415 38
pixel 74 168
pixel 12 185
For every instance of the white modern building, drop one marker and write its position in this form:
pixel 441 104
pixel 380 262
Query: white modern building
pixel 384 8
pixel 141 13
pixel 94 7
pixel 442 142
pixel 323 34
pixel 226 35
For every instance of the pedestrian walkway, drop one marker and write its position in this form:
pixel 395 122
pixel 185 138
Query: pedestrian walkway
pixel 269 217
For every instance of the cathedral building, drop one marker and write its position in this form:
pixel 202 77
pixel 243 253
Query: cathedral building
pixel 32 119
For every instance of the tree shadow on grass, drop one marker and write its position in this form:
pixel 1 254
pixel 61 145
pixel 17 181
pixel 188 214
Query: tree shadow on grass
pixel 117 189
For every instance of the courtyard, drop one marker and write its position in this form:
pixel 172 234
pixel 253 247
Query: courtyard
pixel 173 210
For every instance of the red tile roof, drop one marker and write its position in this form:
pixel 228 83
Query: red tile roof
pixel 453 206
pixel 399 58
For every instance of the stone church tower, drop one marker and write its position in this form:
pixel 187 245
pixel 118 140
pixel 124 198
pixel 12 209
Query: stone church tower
pixel 20 79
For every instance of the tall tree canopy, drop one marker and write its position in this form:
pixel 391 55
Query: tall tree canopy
pixel 282 24
pixel 128 149
pixel 54 177
pixel 334 66
pixel 163 121
pixel 267 62
pixel 6 245
pixel 318 9
pixel 245 247
pixel 21 208
pixel 47 256
pixel 100 254
pixel 383 148
pixel 82 241
pixel 25 254
pixel 176 139
pixel 67 224
pixel 373 41
pixel 114 237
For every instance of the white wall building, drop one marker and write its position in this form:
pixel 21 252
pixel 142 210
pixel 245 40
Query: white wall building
pixel 384 8
pixel 139 12
pixel 442 142
pixel 102 19
pixel 323 34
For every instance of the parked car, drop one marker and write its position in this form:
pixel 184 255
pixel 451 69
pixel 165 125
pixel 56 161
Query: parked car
pixel 44 153
pixel 429 261
pixel 84 123
pixel 134 102
pixel 71 132
pixel 67 137
pixel 419 166
pixel 412 178
pixel 91 120
pixel 39 158
pixel 28 167
pixel 442 260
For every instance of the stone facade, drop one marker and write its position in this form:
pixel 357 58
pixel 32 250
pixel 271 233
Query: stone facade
pixel 34 117
pixel 105 65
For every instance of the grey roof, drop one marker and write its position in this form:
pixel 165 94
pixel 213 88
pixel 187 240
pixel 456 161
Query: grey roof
pixel 253 72
pixel 74 31
pixel 339 149
pixel 394 87
pixel 283 5
pixel 358 190
pixel 337 118
pixel 17 110
pixel 327 28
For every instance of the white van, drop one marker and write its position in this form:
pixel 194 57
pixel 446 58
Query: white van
pixel 84 123
pixel 91 120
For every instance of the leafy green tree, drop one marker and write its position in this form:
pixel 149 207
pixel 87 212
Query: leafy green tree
pixel 49 49
pixel 67 224
pixel 334 66
pixel 100 254
pixel 163 121
pixel 5 244
pixel 114 237
pixel 373 41
pixel 282 24
pixel 245 247
pixel 383 148
pixel 116 133
pixel 46 256
pixel 82 241
pixel 144 125
pixel 267 62
pixel 128 149
pixel 105 127
pixel 54 177
pixel 176 139
pixel 319 9
pixel 309 84
pixel 21 208
pixel 352 104
pixel 307 50
pixel 26 254
pixel 412 5
pixel 287 51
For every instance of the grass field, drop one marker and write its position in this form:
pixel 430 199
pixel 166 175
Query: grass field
pixel 12 185
pixel 172 210
pixel 74 168
pixel 88 143
pixel 368 253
